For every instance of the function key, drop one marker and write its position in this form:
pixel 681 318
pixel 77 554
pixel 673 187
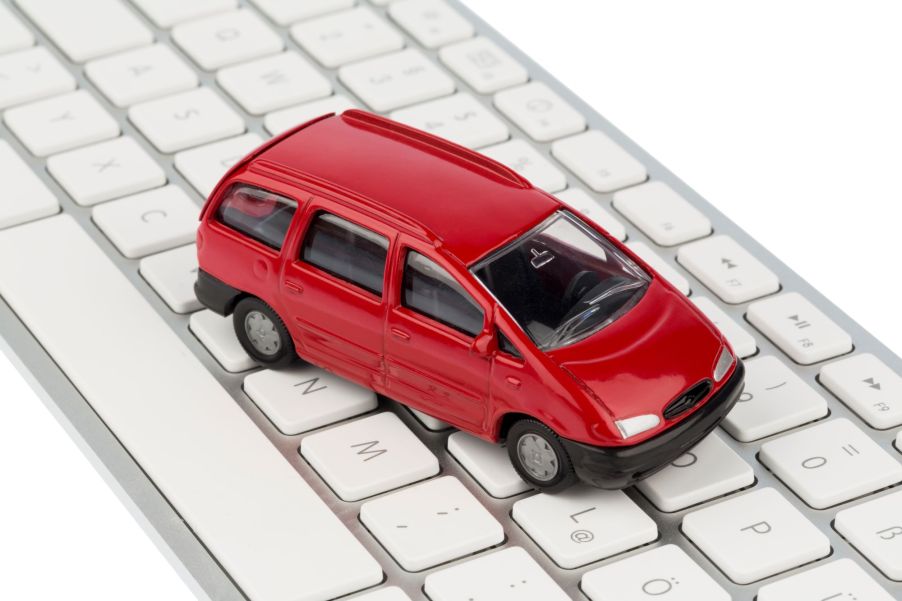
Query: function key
pixel 664 216
pixel 868 386
pixel 528 162
pixel 432 22
pixel 599 161
pixel 665 269
pixel 540 112
pixel 799 328
pixel 483 65
pixel 729 270
pixel 592 209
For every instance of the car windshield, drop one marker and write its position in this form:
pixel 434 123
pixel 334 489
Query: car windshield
pixel 562 281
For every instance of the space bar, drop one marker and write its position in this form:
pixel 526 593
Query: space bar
pixel 254 512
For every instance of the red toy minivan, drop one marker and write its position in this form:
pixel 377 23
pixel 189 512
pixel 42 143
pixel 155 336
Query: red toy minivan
pixel 444 280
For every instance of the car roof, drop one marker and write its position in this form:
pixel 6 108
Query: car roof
pixel 468 202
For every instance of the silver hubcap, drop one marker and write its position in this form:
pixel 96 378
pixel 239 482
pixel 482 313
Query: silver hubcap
pixel 537 457
pixel 262 333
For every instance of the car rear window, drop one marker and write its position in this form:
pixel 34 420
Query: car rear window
pixel 257 213
pixel 347 251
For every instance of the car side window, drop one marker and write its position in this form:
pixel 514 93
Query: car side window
pixel 506 346
pixel 347 251
pixel 430 290
pixel 256 213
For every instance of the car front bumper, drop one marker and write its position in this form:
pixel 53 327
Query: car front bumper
pixel 620 467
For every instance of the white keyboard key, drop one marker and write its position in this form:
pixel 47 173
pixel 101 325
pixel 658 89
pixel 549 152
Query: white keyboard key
pixel 592 209
pixel 742 342
pixel 868 386
pixel 663 571
pixel 841 580
pixel 584 524
pixel 664 216
pixel 13 35
pixel 217 335
pixel 431 523
pixel 775 399
pixel 711 469
pixel 166 13
pixel 539 111
pixel 875 529
pixel 523 158
pixel 226 39
pixel 429 422
pixel 391 593
pixel 396 80
pixel 204 166
pixel 172 275
pixel 188 119
pixel 60 123
pixel 729 270
pixel 755 535
pixel 432 22
pixel 141 74
pixel 273 82
pixel 286 12
pixel 268 529
pixel 667 271
pixel 459 118
pixel 283 120
pixel 305 397
pixel 506 575
pixel 483 65
pixel 368 456
pixel 30 75
pixel 799 328
pixel 25 197
pixel 599 161
pixel 348 36
pixel 105 171
pixel 831 463
pixel 88 28
pixel 148 222
pixel 488 463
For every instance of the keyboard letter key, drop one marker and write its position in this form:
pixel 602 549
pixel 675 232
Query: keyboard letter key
pixel 831 463
pixel 756 535
pixel 875 529
pixel 30 75
pixel 396 80
pixel 488 463
pixel 839 580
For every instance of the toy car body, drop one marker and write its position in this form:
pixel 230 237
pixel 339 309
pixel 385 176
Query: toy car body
pixel 445 281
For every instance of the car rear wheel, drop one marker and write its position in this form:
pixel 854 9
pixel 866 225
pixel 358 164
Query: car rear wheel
pixel 539 457
pixel 262 333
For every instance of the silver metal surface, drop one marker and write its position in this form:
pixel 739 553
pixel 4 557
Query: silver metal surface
pixel 537 457
pixel 175 537
pixel 261 332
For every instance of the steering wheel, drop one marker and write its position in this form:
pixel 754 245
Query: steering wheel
pixel 578 286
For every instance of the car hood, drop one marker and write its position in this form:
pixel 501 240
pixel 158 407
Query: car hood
pixel 647 357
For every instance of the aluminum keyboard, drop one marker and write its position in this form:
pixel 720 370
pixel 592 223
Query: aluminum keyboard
pixel 298 485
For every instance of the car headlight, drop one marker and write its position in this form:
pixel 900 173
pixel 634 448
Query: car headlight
pixel 636 425
pixel 724 362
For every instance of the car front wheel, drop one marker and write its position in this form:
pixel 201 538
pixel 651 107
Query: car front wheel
pixel 539 457
pixel 262 333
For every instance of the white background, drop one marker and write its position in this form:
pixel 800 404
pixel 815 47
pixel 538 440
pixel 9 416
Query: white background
pixel 783 114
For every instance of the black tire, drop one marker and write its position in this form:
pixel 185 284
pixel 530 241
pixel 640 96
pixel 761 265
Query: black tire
pixel 283 353
pixel 524 429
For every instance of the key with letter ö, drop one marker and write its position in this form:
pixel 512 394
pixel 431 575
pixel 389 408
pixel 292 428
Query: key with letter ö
pixel 666 572
pixel 507 575
pixel 368 456
pixel 841 580
pixel 305 397
pixel 774 399
pixel 831 463
pixel 799 328
pixel 875 529
pixel 755 535
pixel 242 499
pixel 584 524
pixel 868 386
pixel 431 523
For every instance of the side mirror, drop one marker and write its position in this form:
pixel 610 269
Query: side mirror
pixel 485 343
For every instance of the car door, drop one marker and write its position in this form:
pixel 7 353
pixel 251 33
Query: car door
pixel 333 285
pixel 431 327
